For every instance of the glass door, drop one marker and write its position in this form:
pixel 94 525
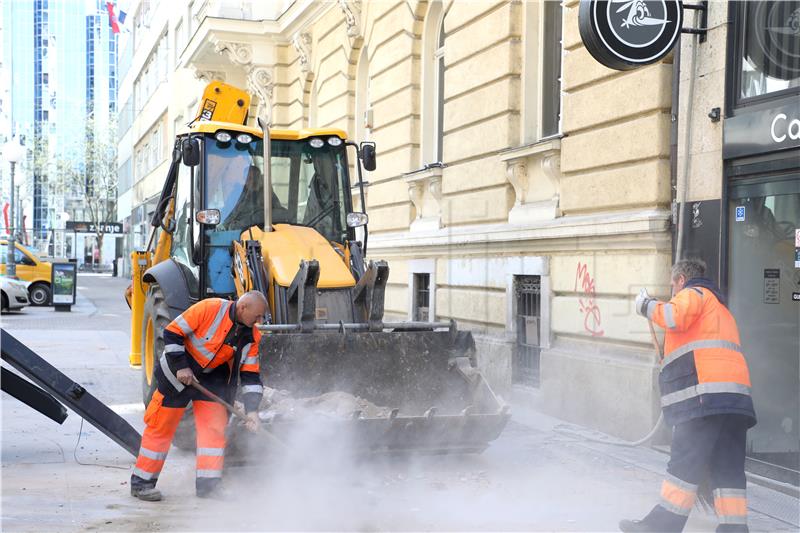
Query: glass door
pixel 763 289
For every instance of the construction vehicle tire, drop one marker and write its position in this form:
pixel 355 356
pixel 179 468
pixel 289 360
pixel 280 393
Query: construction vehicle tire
pixel 154 321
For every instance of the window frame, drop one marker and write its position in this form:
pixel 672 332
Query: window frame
pixel 733 68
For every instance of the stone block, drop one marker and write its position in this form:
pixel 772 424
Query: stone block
pixel 402 104
pixel 571 36
pixel 397 45
pixel 482 33
pixel 473 174
pixel 498 61
pixel 643 183
pixel 604 317
pixel 392 163
pixel 403 74
pixel 396 134
pixel 477 207
pixel 612 389
pixel 621 274
pixel 461 13
pixel 482 138
pixel 491 99
pixel 474 305
pixel 387 192
pixel 396 299
pixel 580 69
pixel 645 89
pixel 391 218
pixel 641 138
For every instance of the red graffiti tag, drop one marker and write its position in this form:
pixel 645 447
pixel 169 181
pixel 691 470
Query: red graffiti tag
pixel 588 306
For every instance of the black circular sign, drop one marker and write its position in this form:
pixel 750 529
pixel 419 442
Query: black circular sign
pixel 625 34
pixel 772 39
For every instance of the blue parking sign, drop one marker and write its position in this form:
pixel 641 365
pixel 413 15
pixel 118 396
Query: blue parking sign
pixel 740 213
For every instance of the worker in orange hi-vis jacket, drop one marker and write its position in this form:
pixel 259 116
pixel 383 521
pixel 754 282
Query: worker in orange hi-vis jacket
pixel 705 395
pixel 215 343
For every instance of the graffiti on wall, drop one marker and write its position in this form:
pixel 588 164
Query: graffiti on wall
pixel 584 285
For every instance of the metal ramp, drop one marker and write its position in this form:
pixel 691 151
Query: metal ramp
pixel 58 388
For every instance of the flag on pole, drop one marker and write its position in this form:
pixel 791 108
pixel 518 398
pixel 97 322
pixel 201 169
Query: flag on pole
pixel 112 18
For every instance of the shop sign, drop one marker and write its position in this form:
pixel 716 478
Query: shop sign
pixel 89 227
pixel 624 35
pixel 759 132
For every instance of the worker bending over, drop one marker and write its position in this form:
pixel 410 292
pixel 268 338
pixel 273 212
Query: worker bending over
pixel 214 342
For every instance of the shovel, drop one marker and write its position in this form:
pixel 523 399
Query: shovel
pixel 236 412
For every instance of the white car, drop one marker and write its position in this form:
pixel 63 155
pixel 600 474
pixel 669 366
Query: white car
pixel 14 293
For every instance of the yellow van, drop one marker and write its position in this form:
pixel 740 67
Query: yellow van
pixel 29 268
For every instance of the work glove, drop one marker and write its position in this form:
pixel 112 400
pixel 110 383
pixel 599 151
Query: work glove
pixel 252 422
pixel 642 301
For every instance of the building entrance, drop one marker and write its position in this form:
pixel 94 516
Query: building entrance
pixel 763 288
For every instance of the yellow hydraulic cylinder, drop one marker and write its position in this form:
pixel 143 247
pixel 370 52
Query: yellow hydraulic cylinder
pixel 140 262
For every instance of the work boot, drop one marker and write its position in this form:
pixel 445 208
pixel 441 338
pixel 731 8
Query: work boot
pixel 219 492
pixel 147 494
pixel 657 520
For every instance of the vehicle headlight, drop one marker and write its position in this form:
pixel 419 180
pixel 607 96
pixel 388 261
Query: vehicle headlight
pixel 244 138
pixel 316 142
pixel 334 141
pixel 223 136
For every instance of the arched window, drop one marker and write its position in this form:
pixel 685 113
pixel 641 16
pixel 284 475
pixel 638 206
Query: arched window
pixel 433 79
pixel 363 116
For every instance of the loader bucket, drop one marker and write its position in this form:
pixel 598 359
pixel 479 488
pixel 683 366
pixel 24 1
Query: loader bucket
pixel 428 394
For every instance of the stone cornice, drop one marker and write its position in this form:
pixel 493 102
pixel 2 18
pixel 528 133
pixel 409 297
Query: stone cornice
pixel 648 228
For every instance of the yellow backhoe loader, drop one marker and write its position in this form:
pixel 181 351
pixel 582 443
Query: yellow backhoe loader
pixel 227 223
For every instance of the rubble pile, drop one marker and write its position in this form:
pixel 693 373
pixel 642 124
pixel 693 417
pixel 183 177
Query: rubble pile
pixel 335 404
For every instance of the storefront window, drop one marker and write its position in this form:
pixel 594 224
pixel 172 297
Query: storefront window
pixel 767 48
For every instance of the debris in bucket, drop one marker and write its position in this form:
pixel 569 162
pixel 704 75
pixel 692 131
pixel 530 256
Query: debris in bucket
pixel 335 404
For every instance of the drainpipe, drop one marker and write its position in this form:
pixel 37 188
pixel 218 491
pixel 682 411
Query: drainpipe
pixel 673 139
pixel 683 178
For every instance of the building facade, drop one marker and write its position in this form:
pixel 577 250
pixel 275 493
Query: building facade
pixel 63 75
pixel 522 188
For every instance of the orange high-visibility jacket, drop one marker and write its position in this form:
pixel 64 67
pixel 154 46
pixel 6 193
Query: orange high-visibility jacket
pixel 206 332
pixel 703 371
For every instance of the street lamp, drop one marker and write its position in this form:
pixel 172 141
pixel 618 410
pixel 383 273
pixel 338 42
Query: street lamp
pixel 13 152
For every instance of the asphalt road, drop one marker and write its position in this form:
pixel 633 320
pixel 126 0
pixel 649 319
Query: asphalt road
pixel 534 477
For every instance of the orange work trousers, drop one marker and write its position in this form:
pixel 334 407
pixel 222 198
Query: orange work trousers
pixel 161 423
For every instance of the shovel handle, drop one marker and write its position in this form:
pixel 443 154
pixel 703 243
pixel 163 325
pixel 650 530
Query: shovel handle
pixel 655 340
pixel 236 411
pixel 210 395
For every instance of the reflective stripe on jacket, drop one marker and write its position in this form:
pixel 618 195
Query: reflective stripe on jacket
pixel 202 331
pixel 703 371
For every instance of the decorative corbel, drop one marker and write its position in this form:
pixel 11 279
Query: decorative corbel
pixel 352 16
pixel 302 45
pixel 260 82
pixel 238 53
pixel 534 173
pixel 209 75
pixel 415 190
pixel 517 174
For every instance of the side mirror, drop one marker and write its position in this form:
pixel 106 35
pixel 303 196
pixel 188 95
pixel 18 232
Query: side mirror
pixel 368 155
pixel 190 149
pixel 356 220
pixel 208 217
